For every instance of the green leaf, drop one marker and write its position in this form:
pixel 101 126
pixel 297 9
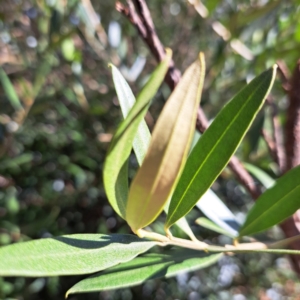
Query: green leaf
pixel 149 266
pixel 168 149
pixel 185 227
pixel 115 166
pixel 127 100
pixel 214 208
pixel 218 143
pixel 142 139
pixel 70 254
pixel 182 224
pixel 208 224
pixel 10 91
pixel 266 180
pixel 275 204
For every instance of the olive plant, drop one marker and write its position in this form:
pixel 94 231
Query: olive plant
pixel 171 177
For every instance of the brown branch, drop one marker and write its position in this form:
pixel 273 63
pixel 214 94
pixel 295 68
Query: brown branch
pixel 131 15
pixel 291 226
pixel 201 121
pixel 279 153
pixel 270 143
pixel 244 177
pixel 292 126
pixel 284 73
pixel 141 19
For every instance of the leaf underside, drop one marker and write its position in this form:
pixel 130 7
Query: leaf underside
pixel 115 176
pixel 142 139
pixel 127 100
pixel 154 181
pixel 70 254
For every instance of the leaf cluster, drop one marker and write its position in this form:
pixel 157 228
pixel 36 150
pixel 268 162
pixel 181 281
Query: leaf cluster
pixel 169 178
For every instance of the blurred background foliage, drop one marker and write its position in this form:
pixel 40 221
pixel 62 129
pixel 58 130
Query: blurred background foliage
pixel 58 110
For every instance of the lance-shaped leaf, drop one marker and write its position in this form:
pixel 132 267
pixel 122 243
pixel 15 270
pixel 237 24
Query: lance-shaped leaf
pixel 127 100
pixel 70 254
pixel 168 149
pixel 115 166
pixel 275 204
pixel 218 143
pixel 208 224
pixel 142 138
pixel 213 207
pixel 149 266
pixel 10 91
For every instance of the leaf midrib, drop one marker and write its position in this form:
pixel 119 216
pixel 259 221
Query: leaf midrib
pixel 270 208
pixel 164 159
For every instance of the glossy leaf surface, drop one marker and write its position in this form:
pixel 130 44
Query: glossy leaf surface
pixel 70 254
pixel 214 208
pixel 168 149
pixel 275 204
pixel 149 266
pixel 115 175
pixel 218 143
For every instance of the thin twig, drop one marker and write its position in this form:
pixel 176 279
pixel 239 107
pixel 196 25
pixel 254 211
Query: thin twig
pixel 292 126
pixel 284 73
pixel 237 247
pixel 270 143
pixel 144 24
pixel 291 226
pixel 201 121
pixel 244 178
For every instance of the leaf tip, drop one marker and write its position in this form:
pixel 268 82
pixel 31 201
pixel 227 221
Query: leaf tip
pixel 274 71
pixel 202 57
pixel 169 52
